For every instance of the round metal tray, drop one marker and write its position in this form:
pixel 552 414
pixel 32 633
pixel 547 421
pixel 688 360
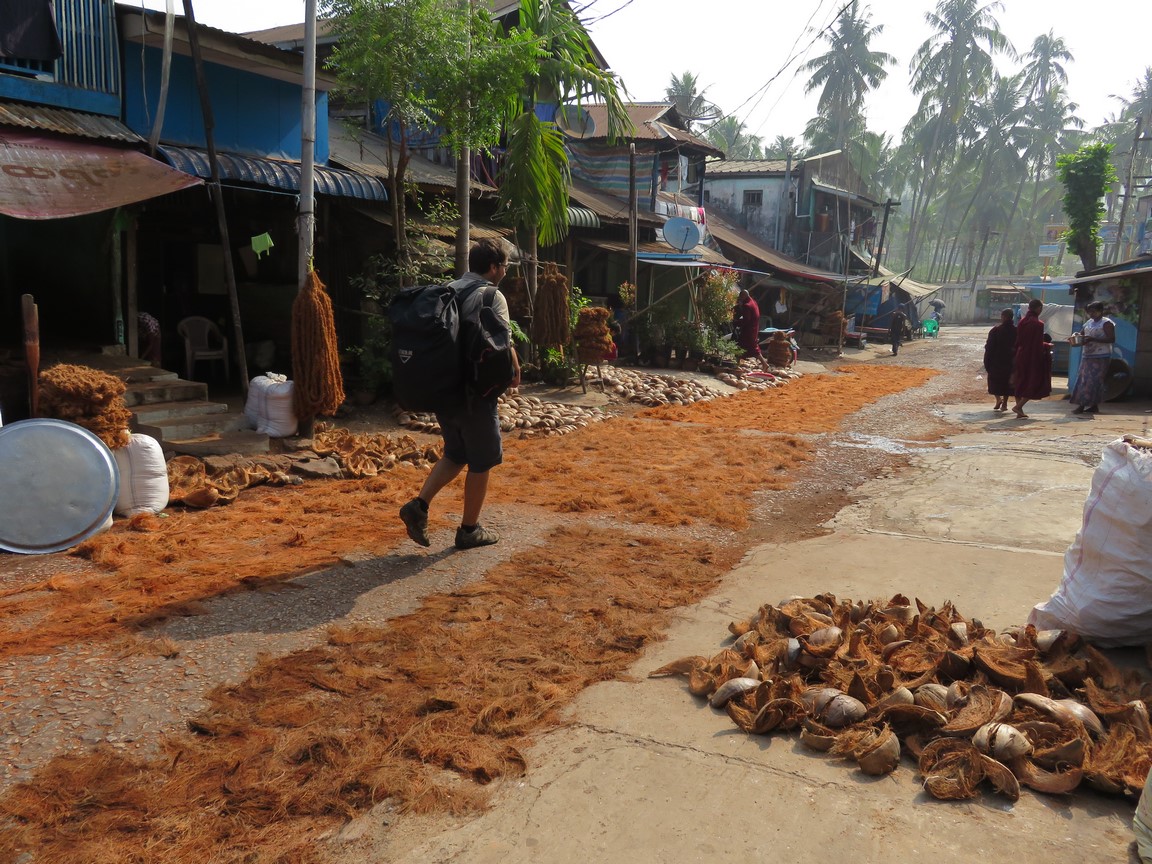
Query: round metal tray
pixel 58 485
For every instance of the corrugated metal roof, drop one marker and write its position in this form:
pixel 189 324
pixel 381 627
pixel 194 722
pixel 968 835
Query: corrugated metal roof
pixel 476 230
pixel 773 260
pixel 582 217
pixel 275 174
pixel 706 255
pixel 45 119
pixel 651 121
pixel 362 151
pixel 750 166
pixel 821 186
pixel 608 207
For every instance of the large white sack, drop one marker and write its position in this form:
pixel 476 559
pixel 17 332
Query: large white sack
pixel 1106 592
pixel 269 405
pixel 143 476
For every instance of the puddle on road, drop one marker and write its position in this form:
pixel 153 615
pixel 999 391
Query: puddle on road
pixel 885 445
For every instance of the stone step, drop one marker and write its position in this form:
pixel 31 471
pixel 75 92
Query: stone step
pixel 171 389
pixel 154 411
pixel 246 442
pixel 185 428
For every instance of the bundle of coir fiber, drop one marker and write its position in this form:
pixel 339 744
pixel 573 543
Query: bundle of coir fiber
pixel 780 349
pixel 833 324
pixel 515 291
pixel 551 325
pixel 318 385
pixel 88 398
pixel 593 340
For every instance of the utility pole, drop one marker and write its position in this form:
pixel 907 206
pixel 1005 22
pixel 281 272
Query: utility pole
pixel 307 212
pixel 633 227
pixel 888 205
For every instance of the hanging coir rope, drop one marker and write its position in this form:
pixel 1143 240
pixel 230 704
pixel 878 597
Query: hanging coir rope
pixel 551 326
pixel 318 388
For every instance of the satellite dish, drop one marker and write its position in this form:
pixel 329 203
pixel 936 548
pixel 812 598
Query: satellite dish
pixel 681 234
pixel 575 122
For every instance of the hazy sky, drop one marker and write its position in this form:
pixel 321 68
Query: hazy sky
pixel 746 52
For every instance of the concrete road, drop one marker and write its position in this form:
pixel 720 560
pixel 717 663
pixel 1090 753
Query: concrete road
pixel 647 773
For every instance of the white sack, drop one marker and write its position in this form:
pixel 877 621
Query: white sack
pixel 1106 592
pixel 143 476
pixel 269 405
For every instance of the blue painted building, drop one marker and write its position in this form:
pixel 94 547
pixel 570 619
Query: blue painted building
pixel 126 228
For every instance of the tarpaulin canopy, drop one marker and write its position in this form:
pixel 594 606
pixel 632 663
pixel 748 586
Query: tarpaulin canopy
pixel 52 178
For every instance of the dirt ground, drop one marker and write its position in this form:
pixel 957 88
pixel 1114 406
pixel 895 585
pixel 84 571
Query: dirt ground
pixel 299 635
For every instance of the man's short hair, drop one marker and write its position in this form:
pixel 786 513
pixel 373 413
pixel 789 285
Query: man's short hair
pixel 484 254
pixel 1035 304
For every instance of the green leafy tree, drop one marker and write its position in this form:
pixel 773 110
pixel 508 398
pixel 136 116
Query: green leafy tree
pixel 436 65
pixel 1086 175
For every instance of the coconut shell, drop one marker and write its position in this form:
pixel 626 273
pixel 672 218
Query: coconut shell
pixel 1048 782
pixel 984 705
pixel 952 769
pixel 881 755
pixel 1001 777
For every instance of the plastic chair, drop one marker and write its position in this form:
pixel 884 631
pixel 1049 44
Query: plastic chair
pixel 931 328
pixel 202 341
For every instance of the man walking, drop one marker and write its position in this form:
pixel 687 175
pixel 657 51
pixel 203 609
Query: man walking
pixel 896 329
pixel 471 429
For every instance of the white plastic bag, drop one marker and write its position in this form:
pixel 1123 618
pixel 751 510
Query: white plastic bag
pixel 1106 592
pixel 1142 822
pixel 269 405
pixel 143 476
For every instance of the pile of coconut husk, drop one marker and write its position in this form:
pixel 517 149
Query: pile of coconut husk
pixel 88 398
pixel 529 416
pixel 362 454
pixel 652 390
pixel 872 681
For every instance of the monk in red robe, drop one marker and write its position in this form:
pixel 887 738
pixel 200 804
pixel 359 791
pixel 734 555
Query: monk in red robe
pixel 746 326
pixel 1033 366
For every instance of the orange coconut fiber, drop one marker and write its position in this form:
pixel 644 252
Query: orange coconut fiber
pixel 319 736
pixel 148 568
pixel 812 404
pixel 657 473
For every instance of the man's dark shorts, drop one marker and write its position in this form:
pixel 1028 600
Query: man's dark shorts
pixel 472 438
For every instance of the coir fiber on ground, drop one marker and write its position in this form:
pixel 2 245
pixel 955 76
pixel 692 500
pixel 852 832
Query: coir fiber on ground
pixel 458 686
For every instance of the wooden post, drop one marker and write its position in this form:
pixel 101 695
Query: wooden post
pixel 132 299
pixel 217 193
pixel 32 351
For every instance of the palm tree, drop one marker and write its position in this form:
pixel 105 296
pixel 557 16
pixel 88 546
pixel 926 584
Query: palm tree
pixel 950 70
pixel 844 75
pixel 1137 111
pixel 534 177
pixel 728 135
pixel 781 146
pixel 1044 67
pixel 690 103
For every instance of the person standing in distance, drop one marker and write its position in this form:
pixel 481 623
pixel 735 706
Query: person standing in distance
pixel 1097 336
pixel 896 329
pixel 471 432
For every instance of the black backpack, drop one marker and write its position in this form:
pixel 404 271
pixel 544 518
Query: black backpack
pixel 449 346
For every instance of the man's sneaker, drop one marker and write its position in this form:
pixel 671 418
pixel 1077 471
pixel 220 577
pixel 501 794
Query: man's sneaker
pixel 415 518
pixel 480 536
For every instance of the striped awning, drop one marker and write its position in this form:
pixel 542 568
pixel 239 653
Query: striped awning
pixel 275 174
pixel 582 217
